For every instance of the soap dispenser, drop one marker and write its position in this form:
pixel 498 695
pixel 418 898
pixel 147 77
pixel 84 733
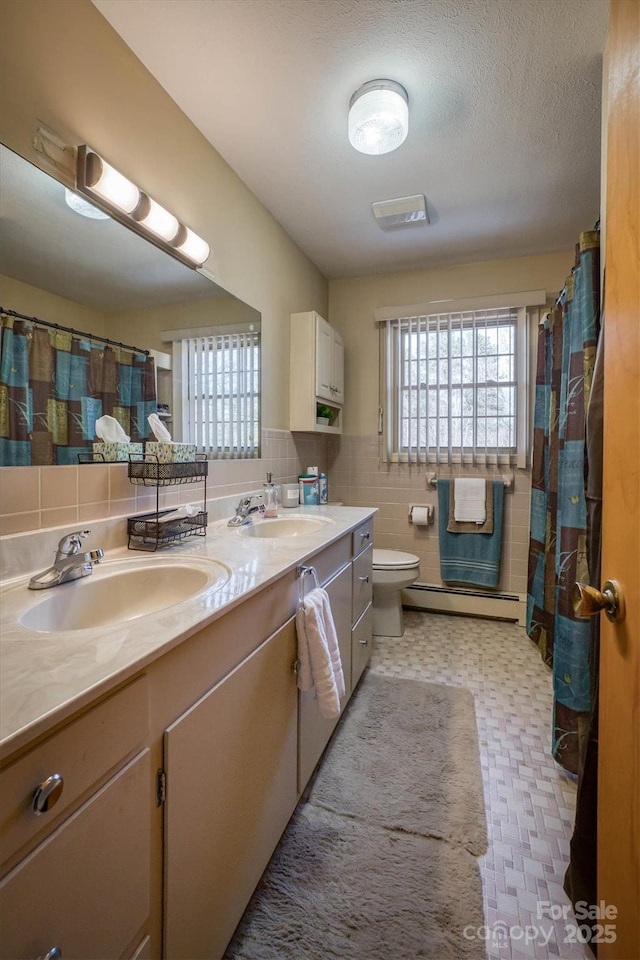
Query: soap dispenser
pixel 270 498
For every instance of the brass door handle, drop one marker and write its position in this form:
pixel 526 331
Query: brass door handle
pixel 587 601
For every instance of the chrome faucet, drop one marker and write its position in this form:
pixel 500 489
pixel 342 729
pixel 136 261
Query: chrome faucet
pixel 245 510
pixel 69 563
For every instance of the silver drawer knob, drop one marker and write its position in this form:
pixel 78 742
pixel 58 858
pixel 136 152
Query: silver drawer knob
pixel 363 579
pixel 363 643
pixel 365 536
pixel 54 954
pixel 46 796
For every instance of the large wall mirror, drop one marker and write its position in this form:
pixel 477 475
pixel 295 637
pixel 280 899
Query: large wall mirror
pixel 98 277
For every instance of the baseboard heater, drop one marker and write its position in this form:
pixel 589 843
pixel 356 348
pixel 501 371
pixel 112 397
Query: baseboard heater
pixel 471 603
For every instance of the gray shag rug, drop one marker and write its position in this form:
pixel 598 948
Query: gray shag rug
pixel 406 756
pixel 377 864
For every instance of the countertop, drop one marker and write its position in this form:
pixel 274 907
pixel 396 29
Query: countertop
pixel 45 677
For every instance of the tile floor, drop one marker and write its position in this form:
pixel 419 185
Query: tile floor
pixel 530 803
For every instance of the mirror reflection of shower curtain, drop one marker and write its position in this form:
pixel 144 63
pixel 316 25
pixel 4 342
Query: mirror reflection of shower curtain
pixel 558 542
pixel 54 385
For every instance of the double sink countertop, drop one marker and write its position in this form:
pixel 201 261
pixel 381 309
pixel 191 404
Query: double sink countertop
pixel 47 676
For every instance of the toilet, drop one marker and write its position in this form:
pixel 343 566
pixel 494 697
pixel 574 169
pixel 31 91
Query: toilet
pixel 392 570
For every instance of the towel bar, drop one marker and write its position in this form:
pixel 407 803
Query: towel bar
pixel 301 572
pixel 508 481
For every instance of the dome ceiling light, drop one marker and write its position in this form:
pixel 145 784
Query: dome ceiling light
pixel 378 117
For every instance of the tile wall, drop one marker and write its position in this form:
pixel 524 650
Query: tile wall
pixel 34 498
pixel 357 475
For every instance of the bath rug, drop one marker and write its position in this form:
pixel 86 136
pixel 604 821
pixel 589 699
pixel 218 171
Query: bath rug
pixel 406 756
pixel 340 889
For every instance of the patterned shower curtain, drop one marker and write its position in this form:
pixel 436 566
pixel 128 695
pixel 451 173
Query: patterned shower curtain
pixel 567 343
pixel 53 387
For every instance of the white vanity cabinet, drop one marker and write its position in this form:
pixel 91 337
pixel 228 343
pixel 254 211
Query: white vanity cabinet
pixel 76 876
pixel 178 783
pixel 316 373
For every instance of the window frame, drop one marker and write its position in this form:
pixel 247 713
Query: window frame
pixel 240 439
pixel 391 319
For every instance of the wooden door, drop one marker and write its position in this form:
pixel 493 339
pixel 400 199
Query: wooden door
pixel 619 762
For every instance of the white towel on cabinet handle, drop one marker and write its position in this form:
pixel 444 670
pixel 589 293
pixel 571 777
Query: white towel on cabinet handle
pixel 319 653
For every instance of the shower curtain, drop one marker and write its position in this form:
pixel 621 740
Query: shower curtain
pixel 567 344
pixel 53 387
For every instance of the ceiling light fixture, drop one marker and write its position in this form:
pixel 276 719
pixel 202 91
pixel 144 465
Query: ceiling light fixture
pixel 79 205
pixel 378 117
pixel 121 198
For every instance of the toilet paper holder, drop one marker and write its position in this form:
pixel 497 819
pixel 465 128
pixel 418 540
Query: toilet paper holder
pixel 428 507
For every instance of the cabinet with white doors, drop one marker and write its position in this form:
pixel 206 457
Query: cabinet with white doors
pixel 316 384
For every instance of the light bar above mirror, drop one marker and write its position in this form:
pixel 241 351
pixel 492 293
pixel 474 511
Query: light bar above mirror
pixel 111 191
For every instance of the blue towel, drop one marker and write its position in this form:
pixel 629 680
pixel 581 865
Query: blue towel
pixel 470 557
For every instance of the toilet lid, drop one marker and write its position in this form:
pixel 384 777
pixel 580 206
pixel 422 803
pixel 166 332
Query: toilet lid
pixel 394 560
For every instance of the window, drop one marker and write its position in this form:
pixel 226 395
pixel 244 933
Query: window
pixel 221 393
pixel 454 386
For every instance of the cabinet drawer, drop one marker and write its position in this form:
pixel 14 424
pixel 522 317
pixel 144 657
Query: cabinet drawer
pixel 85 889
pixel 362 537
pixel 83 753
pixel 361 643
pixel 362 583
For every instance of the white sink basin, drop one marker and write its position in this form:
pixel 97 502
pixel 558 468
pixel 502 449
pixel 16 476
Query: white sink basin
pixel 122 590
pixel 283 527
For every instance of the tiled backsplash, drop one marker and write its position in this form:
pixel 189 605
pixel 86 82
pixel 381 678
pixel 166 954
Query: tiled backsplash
pixel 35 498
pixel 357 475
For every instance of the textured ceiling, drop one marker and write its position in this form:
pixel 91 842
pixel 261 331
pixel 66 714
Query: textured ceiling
pixel 504 99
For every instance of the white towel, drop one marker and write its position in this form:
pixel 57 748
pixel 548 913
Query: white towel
pixel 470 499
pixel 320 664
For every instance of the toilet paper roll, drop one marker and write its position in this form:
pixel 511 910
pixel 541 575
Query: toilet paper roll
pixel 421 516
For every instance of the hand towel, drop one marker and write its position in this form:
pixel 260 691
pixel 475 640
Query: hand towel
pixel 470 495
pixel 455 526
pixel 318 652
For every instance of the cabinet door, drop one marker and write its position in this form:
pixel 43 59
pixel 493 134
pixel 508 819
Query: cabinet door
pixel 314 730
pixel 338 368
pixel 362 582
pixel 85 889
pixel 361 642
pixel 230 763
pixel 324 359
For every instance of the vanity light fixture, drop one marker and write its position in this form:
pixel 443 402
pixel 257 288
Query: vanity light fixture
pixel 378 117
pixel 124 201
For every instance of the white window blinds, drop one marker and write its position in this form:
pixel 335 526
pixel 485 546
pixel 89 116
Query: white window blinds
pixel 454 386
pixel 221 394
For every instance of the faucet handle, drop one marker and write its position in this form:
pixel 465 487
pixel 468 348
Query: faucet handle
pixel 70 545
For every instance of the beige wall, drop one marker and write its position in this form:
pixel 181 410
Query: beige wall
pixel 34 302
pixel 352 303
pixel 358 474
pixel 63 64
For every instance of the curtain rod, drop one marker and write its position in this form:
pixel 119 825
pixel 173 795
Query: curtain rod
pixel 78 333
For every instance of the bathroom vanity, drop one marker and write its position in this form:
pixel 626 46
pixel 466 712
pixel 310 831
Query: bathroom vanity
pixel 183 744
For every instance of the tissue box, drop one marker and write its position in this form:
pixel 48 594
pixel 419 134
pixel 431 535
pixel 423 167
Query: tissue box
pixel 113 451
pixel 170 452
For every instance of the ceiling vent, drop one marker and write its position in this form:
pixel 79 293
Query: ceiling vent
pixel 401 212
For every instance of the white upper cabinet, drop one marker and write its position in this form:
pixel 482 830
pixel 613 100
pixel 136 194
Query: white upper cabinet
pixel 330 362
pixel 316 374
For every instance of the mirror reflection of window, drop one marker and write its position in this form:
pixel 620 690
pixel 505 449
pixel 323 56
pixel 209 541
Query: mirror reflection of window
pixel 220 393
